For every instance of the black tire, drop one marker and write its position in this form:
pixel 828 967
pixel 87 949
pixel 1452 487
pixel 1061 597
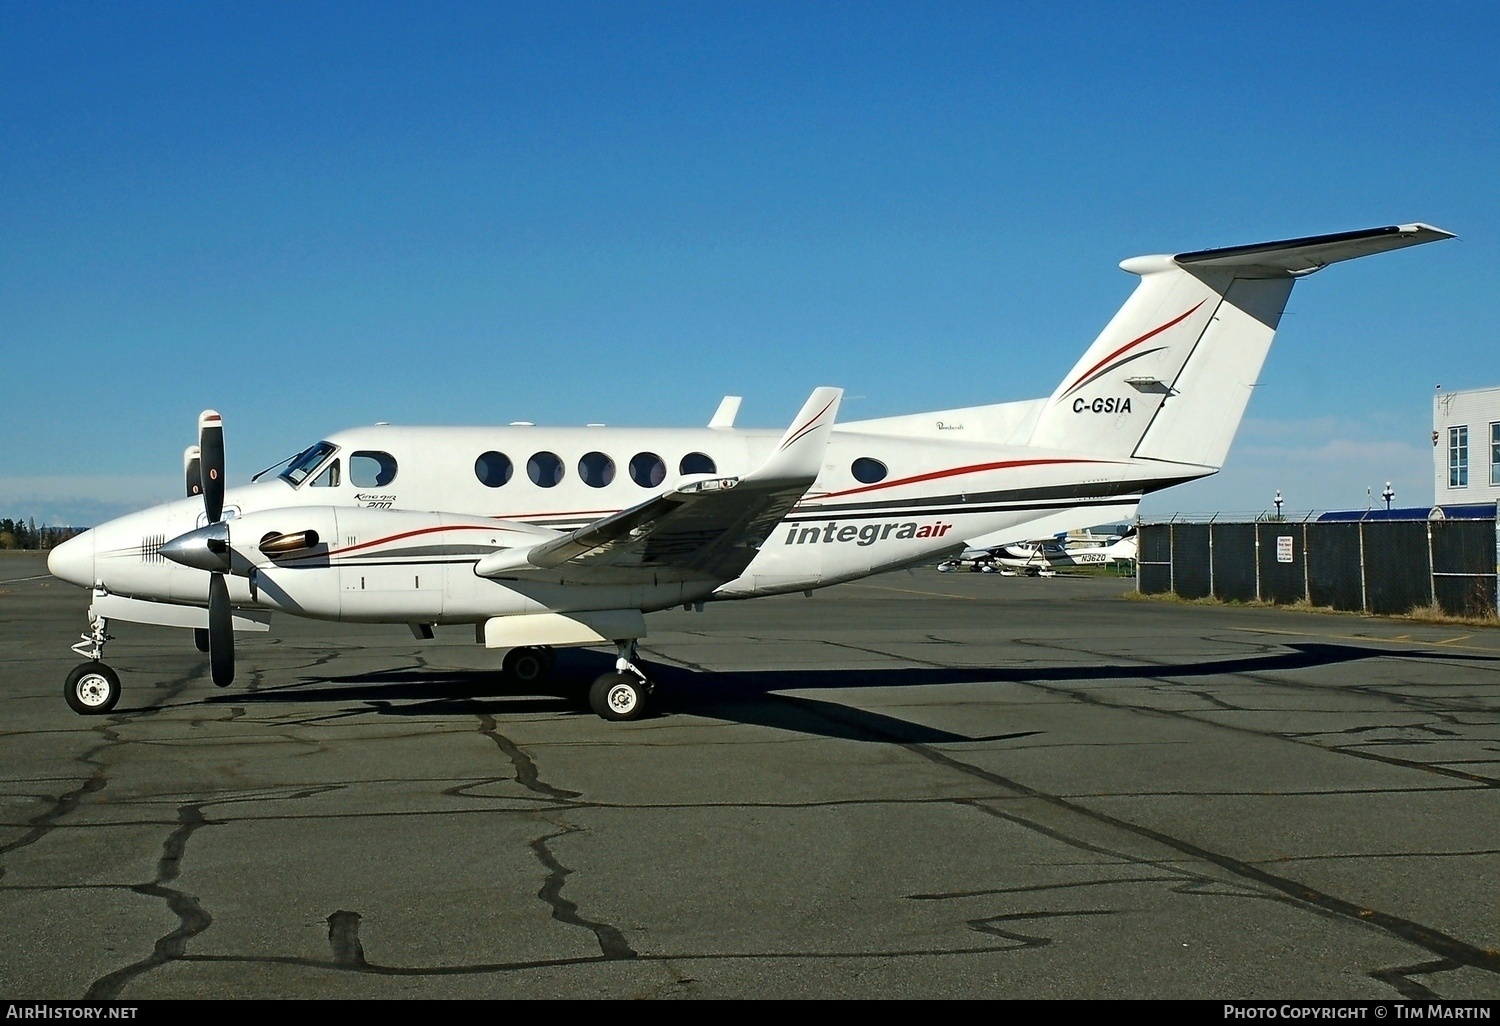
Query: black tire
pixel 92 689
pixel 526 667
pixel 618 697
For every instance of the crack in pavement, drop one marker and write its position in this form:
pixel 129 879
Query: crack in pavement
pixel 1435 941
pixel 192 919
pixel 1445 947
pixel 612 943
pixel 46 821
pixel 526 771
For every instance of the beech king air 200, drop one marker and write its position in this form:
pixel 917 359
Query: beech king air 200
pixel 568 537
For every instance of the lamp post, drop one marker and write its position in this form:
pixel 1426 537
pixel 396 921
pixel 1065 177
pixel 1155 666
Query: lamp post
pixel 1388 495
pixel 1277 500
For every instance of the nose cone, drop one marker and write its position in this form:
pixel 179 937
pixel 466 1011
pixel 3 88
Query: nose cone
pixel 73 560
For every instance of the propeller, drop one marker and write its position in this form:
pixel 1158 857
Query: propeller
pixel 208 547
pixel 192 471
pixel 211 476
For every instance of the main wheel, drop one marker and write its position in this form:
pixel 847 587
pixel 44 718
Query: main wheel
pixel 526 666
pixel 92 689
pixel 618 696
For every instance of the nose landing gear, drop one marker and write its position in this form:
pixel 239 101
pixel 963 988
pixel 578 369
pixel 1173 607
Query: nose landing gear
pixel 93 688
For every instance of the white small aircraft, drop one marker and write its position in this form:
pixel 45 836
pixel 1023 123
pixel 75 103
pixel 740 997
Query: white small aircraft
pixel 542 538
pixel 1045 558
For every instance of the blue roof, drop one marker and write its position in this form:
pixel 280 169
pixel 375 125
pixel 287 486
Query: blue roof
pixel 1473 511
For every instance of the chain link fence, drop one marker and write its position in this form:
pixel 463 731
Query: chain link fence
pixel 1377 566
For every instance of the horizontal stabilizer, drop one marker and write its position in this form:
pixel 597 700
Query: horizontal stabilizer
pixel 1170 376
pixel 1302 256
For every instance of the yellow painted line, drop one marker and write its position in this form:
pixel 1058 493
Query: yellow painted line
pixel 1402 640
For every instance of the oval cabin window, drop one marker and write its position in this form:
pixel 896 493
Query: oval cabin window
pixel 868 471
pixel 596 469
pixel 647 469
pixel 697 463
pixel 545 469
pixel 493 469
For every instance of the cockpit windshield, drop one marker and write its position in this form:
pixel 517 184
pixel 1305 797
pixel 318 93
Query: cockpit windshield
pixel 306 461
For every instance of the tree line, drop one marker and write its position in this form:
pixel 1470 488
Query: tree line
pixel 25 534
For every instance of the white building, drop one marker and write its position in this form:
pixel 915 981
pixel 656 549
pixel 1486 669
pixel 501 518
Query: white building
pixel 1466 446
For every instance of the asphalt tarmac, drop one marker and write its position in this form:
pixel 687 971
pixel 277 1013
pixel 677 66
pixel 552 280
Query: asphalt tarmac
pixel 922 785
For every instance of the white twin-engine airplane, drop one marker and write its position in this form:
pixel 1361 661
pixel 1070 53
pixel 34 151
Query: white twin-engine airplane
pixel 547 537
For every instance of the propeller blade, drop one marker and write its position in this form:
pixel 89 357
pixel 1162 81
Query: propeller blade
pixel 211 455
pixel 220 632
pixel 191 471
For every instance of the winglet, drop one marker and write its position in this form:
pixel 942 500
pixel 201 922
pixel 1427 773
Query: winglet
pixel 799 454
pixel 723 418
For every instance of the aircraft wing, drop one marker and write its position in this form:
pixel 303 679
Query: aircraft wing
pixel 705 529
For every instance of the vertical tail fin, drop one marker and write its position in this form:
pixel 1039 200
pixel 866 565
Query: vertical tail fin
pixel 1171 374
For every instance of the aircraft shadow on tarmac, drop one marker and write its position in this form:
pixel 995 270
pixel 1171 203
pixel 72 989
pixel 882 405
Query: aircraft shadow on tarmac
pixel 741 696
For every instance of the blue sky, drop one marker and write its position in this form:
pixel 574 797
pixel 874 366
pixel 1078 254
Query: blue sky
pixel 310 216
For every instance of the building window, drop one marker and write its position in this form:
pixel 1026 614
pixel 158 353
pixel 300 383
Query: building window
pixel 1458 457
pixel 1495 454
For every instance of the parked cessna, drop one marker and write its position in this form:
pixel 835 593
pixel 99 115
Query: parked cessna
pixel 607 525
pixel 1044 557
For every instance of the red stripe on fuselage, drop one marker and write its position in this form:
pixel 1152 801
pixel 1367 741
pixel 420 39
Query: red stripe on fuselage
pixel 977 468
pixel 413 534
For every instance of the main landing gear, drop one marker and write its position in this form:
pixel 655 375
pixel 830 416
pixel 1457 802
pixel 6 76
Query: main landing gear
pixel 621 695
pixel 93 688
pixel 526 666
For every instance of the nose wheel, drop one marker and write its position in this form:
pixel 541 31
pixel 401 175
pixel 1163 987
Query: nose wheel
pixel 92 689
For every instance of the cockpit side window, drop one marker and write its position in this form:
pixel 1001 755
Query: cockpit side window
pixel 306 462
pixel 369 469
pixel 329 478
